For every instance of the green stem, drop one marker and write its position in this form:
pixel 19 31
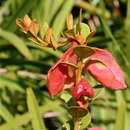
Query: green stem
pixel 76 124
pixel 89 7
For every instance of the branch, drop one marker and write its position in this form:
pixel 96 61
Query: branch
pixel 25 73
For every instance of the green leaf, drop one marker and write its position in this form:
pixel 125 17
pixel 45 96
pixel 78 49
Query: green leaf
pixel 60 19
pixel 17 121
pixel 43 29
pixel 98 92
pixel 6 115
pixel 16 42
pixel 85 30
pixel 115 43
pixel 56 4
pixel 25 118
pixel 11 83
pixel 37 121
pixel 65 96
pixel 83 51
pixel 22 9
pixel 85 121
pixel 120 118
pixel 46 9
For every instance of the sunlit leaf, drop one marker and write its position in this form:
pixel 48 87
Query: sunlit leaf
pixel 85 30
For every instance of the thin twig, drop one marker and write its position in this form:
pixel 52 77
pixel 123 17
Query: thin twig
pixel 2 70
pixel 25 73
pixel 32 75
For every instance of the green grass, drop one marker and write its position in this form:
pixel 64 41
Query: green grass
pixel 25 111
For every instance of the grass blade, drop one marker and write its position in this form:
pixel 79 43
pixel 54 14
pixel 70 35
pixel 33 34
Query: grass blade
pixel 120 120
pixel 37 121
pixel 60 19
pixel 11 83
pixel 23 9
pixel 109 33
pixel 7 116
pixel 25 118
pixel 16 42
pixel 46 7
pixel 55 7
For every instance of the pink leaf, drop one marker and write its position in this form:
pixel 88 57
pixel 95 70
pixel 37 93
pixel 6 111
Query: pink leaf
pixel 61 74
pixel 110 74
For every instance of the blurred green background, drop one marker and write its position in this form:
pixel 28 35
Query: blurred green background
pixel 24 65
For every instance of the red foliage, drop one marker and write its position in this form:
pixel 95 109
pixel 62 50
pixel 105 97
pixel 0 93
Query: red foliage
pixel 109 74
pixel 60 74
pixel 83 88
pixel 104 69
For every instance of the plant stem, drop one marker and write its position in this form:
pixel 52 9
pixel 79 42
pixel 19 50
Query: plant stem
pixel 76 124
pixel 76 119
pixel 79 71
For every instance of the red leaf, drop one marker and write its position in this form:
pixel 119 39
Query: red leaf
pixel 83 88
pixel 110 74
pixel 61 74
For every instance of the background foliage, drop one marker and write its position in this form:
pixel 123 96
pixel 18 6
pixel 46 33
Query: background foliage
pixel 24 100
